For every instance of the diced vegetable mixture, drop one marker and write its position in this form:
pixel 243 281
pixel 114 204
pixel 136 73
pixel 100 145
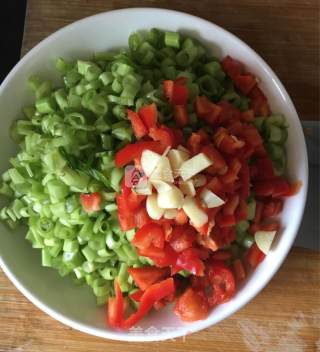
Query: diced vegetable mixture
pixel 154 174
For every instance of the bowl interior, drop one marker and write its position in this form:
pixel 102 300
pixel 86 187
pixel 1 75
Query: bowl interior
pixel 75 305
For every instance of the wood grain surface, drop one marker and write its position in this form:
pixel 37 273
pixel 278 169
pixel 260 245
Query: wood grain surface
pixel 285 316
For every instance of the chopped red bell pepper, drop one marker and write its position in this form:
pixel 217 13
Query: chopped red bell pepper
pixel 139 129
pixel 294 188
pixel 167 229
pixel 221 255
pixel 216 186
pixel 180 94
pixel 202 106
pixel 168 89
pixel 212 118
pixel 215 156
pixel 149 115
pixel 227 220
pixel 272 208
pixel 125 190
pixel 207 241
pixel 176 91
pixel 134 150
pixel 181 115
pixel 251 136
pixel 254 256
pixel 189 260
pixel 258 212
pixel 161 258
pixel 244 178
pixel 181 217
pixel 146 276
pixel 126 216
pixel 233 68
pixel 245 83
pixel 259 102
pixel 90 202
pixel 162 134
pixel 116 307
pixel 247 116
pixel 228 112
pixel 207 110
pixel 232 174
pixel 136 296
pixel 141 216
pixel 182 237
pixel 149 234
pixel 194 143
pixel 134 200
pixel 178 136
pixel 231 204
pixel 222 281
pixel 227 143
pixel 205 138
pixel 235 127
pixel 264 169
pixel 192 305
pixel 281 187
pixel 181 80
pixel 239 270
pixel 154 293
pixel 270 226
pixel 276 187
pixel 242 210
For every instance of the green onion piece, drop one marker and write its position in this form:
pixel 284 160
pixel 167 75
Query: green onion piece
pixel 259 123
pixel 251 209
pixel 46 259
pixel 89 254
pixel 29 111
pixel 116 86
pixel 209 86
pixel 111 207
pixel 130 235
pixel 88 267
pixel 280 165
pixel 172 39
pixel 111 241
pixel 214 69
pixel 77 181
pixel 115 178
pixel 276 151
pixel 92 73
pixel 184 273
pixel 248 241
pixel 46 105
pixel 123 277
pixel 70 246
pixel 5 189
pixel 63 66
pixel 275 135
pixel 106 78
pixel 109 273
pixel 100 288
pixel 155 37
pixel 186 56
pixel 242 226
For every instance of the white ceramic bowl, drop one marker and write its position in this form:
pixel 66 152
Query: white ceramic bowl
pixel 60 298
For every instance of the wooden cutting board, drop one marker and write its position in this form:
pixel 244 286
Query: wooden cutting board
pixel 285 316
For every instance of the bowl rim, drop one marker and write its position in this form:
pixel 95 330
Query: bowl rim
pixel 200 325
